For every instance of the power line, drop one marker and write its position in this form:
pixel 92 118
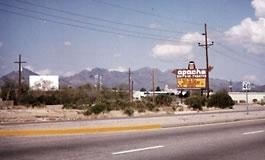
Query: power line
pixel 79 21
pixel 144 12
pixel 228 56
pixel 239 54
pixel 99 19
pixel 91 28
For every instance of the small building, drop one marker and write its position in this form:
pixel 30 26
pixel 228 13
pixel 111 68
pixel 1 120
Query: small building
pixel 240 97
pixel 138 95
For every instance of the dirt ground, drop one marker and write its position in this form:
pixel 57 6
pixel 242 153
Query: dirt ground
pixel 19 114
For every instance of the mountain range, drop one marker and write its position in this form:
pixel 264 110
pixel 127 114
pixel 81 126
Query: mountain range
pixel 142 78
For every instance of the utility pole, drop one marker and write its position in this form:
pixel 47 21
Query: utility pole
pixel 129 84
pixel 230 86
pixel 19 62
pixel 99 82
pixel 132 91
pixel 206 45
pixel 153 84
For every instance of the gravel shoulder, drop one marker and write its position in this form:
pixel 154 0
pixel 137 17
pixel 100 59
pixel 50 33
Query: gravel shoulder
pixel 75 119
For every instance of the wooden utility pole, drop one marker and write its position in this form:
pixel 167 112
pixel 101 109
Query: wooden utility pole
pixel 19 62
pixel 132 91
pixel 206 45
pixel 129 84
pixel 153 84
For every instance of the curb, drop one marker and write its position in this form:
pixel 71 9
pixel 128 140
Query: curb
pixel 76 131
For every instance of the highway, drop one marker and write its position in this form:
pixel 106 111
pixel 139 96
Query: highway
pixel 232 141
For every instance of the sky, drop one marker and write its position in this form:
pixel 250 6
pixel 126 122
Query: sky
pixel 64 37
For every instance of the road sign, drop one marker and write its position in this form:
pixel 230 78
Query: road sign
pixel 246 86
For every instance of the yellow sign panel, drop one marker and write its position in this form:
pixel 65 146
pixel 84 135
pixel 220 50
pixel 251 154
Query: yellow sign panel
pixel 191 83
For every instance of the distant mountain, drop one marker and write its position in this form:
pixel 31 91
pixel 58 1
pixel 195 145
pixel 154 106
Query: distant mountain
pixel 14 76
pixel 142 78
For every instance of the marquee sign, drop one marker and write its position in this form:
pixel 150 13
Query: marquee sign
pixel 191 78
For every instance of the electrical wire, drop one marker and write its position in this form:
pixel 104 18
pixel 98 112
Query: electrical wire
pixel 99 19
pixel 89 28
pixel 236 59
pixel 144 12
pixel 82 22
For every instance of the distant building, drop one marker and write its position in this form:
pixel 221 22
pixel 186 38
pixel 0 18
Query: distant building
pixel 240 97
pixel 138 95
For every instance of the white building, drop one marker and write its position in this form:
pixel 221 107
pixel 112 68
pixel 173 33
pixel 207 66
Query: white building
pixel 240 97
pixel 138 95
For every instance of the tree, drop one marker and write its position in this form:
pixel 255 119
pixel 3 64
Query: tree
pixel 8 90
pixel 158 89
pixel 142 90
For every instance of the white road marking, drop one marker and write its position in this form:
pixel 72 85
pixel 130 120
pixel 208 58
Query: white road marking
pixel 254 132
pixel 137 150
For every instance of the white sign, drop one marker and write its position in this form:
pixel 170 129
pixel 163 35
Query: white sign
pixel 246 86
pixel 44 82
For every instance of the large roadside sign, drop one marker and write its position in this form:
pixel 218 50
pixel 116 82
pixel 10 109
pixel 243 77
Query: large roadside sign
pixel 190 78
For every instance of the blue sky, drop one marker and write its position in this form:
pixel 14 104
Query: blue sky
pixel 56 42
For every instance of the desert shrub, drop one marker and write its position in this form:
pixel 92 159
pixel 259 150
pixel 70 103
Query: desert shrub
pixel 98 108
pixel 121 104
pixel 163 99
pixel 150 106
pixel 254 100
pixel 195 102
pixel 220 100
pixel 262 102
pixel 140 106
pixel 87 112
pixel 129 111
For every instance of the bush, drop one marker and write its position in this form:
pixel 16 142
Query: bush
pixel 98 108
pixel 128 111
pixel 221 100
pixel 195 102
pixel 262 102
pixel 140 106
pixel 150 106
pixel 163 99
pixel 87 112
pixel 254 100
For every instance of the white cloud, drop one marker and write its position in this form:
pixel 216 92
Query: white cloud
pixel 250 34
pixel 165 51
pixel 67 43
pixel 251 78
pixel 44 72
pixel 248 31
pixel 259 6
pixel 119 69
pixel 183 48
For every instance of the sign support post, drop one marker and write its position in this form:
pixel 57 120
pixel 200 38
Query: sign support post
pixel 246 86
pixel 247 100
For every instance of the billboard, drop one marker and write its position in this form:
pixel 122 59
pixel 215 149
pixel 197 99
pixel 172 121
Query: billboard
pixel 44 82
pixel 190 78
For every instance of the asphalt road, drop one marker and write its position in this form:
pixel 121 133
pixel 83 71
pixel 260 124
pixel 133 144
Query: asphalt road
pixel 233 141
